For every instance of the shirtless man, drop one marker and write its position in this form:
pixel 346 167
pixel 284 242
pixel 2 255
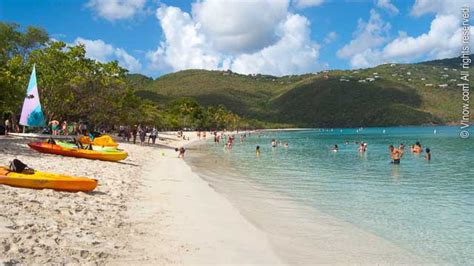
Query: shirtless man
pixel 395 154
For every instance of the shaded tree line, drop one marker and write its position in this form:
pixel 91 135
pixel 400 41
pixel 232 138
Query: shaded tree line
pixel 73 87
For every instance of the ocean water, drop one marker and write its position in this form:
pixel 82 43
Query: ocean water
pixel 423 207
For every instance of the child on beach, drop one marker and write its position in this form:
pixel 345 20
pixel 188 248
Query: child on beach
pixel 181 151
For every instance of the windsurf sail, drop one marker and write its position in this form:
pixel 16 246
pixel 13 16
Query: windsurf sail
pixel 31 114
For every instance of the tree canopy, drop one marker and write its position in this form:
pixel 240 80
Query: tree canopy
pixel 73 87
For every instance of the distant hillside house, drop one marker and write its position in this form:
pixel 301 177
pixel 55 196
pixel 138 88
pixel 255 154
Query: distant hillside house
pixel 428 85
pixel 423 79
pixel 362 80
pixel 443 85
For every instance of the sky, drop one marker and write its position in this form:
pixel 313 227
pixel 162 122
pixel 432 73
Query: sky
pixel 277 37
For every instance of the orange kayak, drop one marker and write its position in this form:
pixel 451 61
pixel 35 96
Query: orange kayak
pixel 45 147
pixel 103 140
pixel 42 180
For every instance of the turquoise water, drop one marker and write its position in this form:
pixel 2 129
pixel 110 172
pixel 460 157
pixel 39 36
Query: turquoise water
pixel 425 207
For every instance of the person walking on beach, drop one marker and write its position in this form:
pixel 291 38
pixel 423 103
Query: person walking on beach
pixel 7 126
pixel 153 135
pixel 394 154
pixel 142 134
pixel 134 134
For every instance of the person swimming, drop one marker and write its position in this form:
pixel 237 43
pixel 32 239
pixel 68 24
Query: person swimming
pixel 362 147
pixel 335 148
pixel 394 154
pixel 428 154
pixel 417 148
pixel 274 143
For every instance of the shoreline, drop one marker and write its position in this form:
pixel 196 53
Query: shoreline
pixel 154 208
pixel 317 238
pixel 193 223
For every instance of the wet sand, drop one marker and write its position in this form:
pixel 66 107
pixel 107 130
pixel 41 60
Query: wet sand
pixel 153 209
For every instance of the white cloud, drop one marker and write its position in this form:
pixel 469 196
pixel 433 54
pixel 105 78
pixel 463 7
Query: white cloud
pixel 116 9
pixel 368 35
pixel 440 7
pixel 104 52
pixel 293 53
pixel 307 3
pixel 245 43
pixel 330 37
pixel 184 46
pixel 441 41
pixel 387 5
pixel 240 26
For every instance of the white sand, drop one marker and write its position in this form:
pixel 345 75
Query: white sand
pixel 150 209
pixel 46 226
pixel 192 224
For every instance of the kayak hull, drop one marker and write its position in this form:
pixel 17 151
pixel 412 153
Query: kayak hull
pixel 45 147
pixel 43 180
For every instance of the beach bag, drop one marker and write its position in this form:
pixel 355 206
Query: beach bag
pixel 18 166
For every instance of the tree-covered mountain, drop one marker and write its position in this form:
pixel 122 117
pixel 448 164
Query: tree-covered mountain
pixel 389 94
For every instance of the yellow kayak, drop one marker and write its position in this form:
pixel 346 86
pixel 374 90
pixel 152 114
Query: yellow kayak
pixel 42 180
pixel 104 140
pixel 45 147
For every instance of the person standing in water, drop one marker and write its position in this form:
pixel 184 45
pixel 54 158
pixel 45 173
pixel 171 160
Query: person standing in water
pixel 335 148
pixel 257 150
pixel 428 154
pixel 395 154
pixel 402 149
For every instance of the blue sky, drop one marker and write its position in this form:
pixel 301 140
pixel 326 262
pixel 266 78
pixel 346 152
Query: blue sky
pixel 277 37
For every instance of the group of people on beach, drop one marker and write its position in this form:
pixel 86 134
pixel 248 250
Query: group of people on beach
pixel 127 133
pixel 57 128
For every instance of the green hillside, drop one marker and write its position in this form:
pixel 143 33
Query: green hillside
pixel 390 94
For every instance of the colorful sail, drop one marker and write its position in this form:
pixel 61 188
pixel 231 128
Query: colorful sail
pixel 31 114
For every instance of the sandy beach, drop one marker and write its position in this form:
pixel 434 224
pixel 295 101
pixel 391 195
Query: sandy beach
pixel 153 209
pixel 149 208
